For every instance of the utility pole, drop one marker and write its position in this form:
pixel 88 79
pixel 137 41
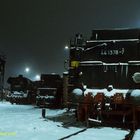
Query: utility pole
pixel 2 72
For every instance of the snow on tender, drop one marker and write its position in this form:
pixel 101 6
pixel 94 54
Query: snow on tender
pixel 106 92
pixel 135 93
pixel 77 91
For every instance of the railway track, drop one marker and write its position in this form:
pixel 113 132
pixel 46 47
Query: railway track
pixel 130 135
pixel 73 134
pixel 86 126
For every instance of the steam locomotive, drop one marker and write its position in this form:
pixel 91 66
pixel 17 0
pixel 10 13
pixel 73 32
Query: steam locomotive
pixel 106 68
pixel 46 92
pixel 22 90
pixel 49 93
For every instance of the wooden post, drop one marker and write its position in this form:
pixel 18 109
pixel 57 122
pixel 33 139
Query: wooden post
pixel 134 118
pixel 43 112
pixel 65 89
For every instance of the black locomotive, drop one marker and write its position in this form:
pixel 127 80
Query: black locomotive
pixel 49 92
pixel 22 90
pixel 106 68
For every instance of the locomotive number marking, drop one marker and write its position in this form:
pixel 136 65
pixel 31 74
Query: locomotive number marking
pixel 112 52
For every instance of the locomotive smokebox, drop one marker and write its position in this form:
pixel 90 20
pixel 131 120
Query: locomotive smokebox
pixel 134 97
pixel 77 95
pixel 136 77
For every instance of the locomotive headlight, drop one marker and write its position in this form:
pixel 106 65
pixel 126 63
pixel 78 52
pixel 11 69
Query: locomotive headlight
pixel 136 77
pixel 80 73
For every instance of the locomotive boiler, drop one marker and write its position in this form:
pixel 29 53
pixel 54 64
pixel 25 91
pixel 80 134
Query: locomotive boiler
pixel 106 68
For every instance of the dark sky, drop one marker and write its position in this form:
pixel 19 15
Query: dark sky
pixel 34 32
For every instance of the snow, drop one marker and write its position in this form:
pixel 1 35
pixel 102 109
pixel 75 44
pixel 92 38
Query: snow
pixel 17 94
pixel 66 72
pixel 135 93
pixel 77 91
pixel 101 134
pixel 137 135
pixel 106 92
pixel 133 61
pixel 24 122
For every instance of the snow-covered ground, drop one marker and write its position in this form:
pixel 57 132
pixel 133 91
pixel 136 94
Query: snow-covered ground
pixel 137 135
pixel 24 122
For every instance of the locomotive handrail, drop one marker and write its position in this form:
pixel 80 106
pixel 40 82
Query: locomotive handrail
pixel 134 62
pixel 82 63
pixel 113 40
pixel 99 45
pixel 91 63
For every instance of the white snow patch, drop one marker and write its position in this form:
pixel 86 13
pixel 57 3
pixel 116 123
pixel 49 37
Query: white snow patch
pixel 135 93
pixel 77 91
pixel 137 135
pixel 105 133
pixel 26 122
pixel 66 72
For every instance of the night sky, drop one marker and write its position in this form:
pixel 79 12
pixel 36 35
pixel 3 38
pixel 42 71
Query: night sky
pixel 33 33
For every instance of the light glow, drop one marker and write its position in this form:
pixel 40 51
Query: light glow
pixel 66 47
pixel 37 77
pixel 27 70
